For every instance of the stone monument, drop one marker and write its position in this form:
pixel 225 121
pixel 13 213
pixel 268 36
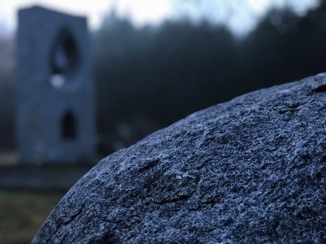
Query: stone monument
pixel 55 119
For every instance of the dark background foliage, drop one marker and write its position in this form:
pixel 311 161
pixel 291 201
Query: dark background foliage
pixel 150 77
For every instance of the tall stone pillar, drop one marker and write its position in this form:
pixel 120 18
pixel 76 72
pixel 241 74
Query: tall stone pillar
pixel 55 119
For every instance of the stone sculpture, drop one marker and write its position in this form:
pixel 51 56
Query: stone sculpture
pixel 55 93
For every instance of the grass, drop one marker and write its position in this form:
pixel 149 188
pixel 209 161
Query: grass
pixel 23 212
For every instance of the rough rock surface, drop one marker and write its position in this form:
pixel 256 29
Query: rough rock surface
pixel 252 170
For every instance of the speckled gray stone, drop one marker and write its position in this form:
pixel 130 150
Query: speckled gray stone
pixel 252 170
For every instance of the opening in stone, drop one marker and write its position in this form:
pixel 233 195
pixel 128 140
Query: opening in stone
pixel 64 58
pixel 69 126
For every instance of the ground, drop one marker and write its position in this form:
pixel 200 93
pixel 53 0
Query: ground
pixel 23 212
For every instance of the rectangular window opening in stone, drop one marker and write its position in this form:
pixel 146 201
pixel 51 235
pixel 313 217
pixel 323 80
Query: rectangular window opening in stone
pixel 68 126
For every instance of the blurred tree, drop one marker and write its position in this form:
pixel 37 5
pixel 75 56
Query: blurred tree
pixel 6 94
pixel 159 74
pixel 150 77
pixel 285 47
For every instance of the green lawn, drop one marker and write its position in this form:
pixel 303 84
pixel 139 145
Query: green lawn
pixel 23 212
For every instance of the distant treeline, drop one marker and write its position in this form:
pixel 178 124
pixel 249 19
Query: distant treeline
pixel 6 94
pixel 150 77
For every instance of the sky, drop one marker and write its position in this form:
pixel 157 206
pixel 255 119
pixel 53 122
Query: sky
pixel 241 16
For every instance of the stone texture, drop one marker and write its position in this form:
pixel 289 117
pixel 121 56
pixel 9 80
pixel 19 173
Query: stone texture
pixel 55 118
pixel 252 170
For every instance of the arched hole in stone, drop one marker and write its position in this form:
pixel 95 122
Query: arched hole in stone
pixel 64 58
pixel 69 126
